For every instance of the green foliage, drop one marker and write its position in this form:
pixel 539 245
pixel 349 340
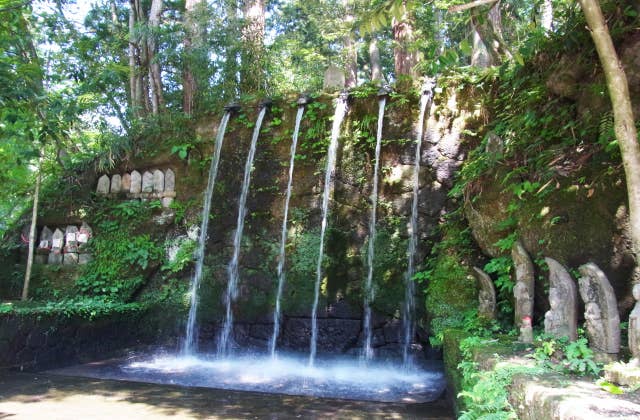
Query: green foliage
pixel 183 258
pixel 568 357
pixel 121 255
pixel 485 392
pixel 445 272
pixel 89 307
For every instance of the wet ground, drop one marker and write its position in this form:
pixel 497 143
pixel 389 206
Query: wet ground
pixel 335 377
pixel 51 396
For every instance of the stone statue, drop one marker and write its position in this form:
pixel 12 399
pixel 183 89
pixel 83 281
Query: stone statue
pixel 602 320
pixel 57 242
pixel 523 290
pixel 104 183
pixel 116 184
pixel 634 327
pixel 126 183
pixel 486 295
pixel 147 182
pixel 44 246
pixel 561 319
pixel 158 181
pixel 136 182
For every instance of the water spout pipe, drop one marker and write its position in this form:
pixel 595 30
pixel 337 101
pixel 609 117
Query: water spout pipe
pixel 232 107
pixel 384 91
pixel 266 102
pixel 429 85
pixel 344 95
pixel 303 99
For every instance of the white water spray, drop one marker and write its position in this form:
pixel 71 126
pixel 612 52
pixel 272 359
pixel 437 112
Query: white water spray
pixel 232 268
pixel 369 292
pixel 409 299
pixel 283 234
pixel 340 112
pixel 189 345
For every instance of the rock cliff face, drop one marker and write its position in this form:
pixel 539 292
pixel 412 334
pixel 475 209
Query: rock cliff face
pixel 340 311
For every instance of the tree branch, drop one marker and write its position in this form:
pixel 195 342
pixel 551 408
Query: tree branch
pixel 476 3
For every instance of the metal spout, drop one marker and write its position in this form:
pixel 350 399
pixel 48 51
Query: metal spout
pixel 266 102
pixel 303 99
pixel 232 107
pixel 384 91
pixel 428 85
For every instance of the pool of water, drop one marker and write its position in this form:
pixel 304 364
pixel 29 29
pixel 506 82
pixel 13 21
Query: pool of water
pixel 335 377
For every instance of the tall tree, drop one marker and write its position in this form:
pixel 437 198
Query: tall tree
pixel 404 52
pixel 252 77
pixel 624 122
pixel 155 76
pixel 192 42
pixel 350 47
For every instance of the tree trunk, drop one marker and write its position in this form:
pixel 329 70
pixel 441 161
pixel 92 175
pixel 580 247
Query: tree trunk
pixel 488 25
pixel 479 54
pixel 252 56
pixel 405 59
pixel 546 15
pixel 155 75
pixel 350 51
pixel 32 233
pixel 374 61
pixel 134 58
pixel 193 37
pixel 624 123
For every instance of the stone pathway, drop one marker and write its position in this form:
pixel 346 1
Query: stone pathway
pixel 52 397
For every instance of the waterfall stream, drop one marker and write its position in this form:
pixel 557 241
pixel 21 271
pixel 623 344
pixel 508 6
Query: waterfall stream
pixel 409 299
pixel 283 235
pixel 232 268
pixel 190 341
pixel 340 112
pixel 369 292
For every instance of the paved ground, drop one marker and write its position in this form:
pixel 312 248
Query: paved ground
pixel 48 396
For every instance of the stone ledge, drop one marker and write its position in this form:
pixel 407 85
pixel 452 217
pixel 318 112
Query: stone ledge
pixel 561 397
pixel 550 396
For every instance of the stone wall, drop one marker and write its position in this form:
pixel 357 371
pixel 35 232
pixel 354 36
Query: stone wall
pixel 40 341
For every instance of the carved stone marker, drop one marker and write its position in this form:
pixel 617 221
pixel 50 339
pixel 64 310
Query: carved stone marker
pixel 634 327
pixel 136 182
pixel 84 234
pixel 147 182
pixel 104 183
pixel 71 239
pixel 126 183
pixel 602 320
pixel 158 181
pixel 169 181
pixel 334 78
pixel 44 246
pixel 116 184
pixel 486 294
pixel 523 290
pixel 45 239
pixel 57 242
pixel 561 320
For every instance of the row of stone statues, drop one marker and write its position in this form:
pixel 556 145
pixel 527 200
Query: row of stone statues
pixel 68 247
pixel 149 184
pixel 602 320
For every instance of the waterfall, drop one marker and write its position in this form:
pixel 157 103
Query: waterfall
pixel 189 345
pixel 369 293
pixel 340 111
pixel 283 234
pixel 409 299
pixel 232 268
